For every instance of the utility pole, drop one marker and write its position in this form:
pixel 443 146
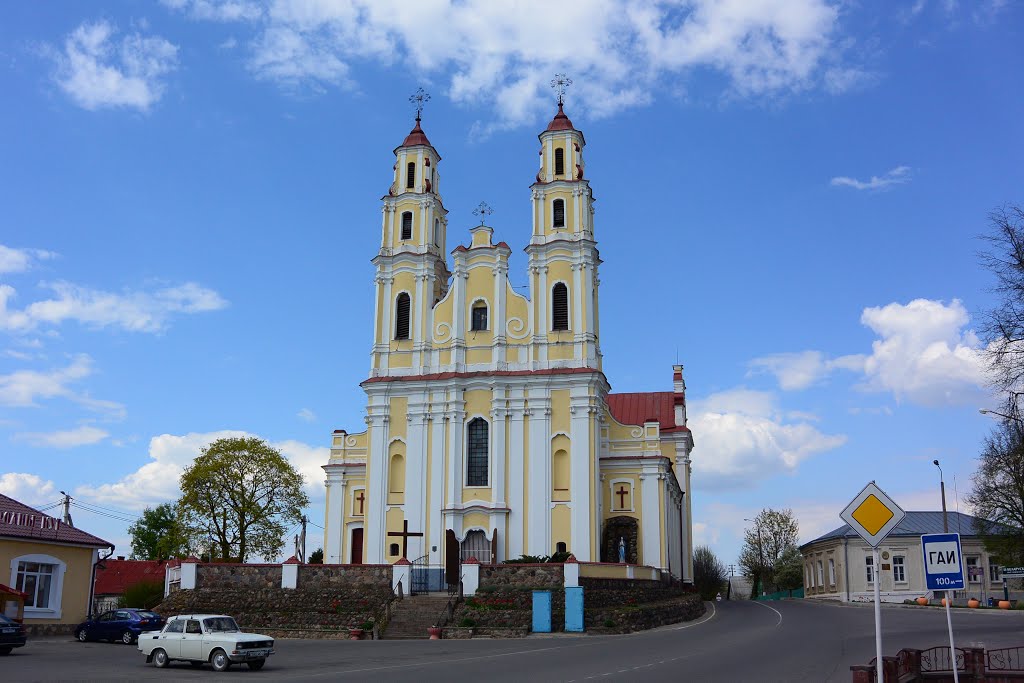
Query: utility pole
pixel 302 541
pixel 67 510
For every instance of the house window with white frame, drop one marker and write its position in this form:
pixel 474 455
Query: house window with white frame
pixel 831 572
pixel 36 579
pixel 899 569
pixel 869 566
pixel 973 569
pixel 821 573
pixel 995 573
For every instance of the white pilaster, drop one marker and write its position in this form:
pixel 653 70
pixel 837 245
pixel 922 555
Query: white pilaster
pixel 516 488
pixel 651 521
pixel 498 414
pixel 334 534
pixel 416 477
pixel 437 426
pixel 581 473
pixel 376 485
pixel 539 513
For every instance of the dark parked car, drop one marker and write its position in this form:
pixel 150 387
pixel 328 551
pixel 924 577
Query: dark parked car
pixel 12 635
pixel 123 624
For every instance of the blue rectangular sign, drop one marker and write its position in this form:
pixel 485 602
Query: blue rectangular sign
pixel 943 562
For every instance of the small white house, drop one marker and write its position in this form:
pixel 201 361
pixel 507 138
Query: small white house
pixel 839 565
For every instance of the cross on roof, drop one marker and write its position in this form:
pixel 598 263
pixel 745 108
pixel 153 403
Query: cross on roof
pixel 418 99
pixel 483 210
pixel 560 82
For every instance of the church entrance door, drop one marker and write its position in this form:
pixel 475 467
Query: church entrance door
pixel 357 546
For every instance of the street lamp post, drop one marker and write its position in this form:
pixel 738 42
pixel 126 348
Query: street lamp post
pixel 760 553
pixel 942 487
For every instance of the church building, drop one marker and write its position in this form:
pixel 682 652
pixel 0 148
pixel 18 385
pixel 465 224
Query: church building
pixel 489 421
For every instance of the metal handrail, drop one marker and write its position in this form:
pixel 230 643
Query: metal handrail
pixel 449 608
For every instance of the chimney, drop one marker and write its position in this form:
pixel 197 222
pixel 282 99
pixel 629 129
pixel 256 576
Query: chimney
pixel 679 400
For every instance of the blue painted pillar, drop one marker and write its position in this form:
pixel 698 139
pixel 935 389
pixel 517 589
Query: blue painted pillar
pixel 574 609
pixel 542 611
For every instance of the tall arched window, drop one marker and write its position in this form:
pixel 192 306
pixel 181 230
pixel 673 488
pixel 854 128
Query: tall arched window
pixel 402 316
pixel 476 452
pixel 559 307
pixel 479 317
pixel 406 225
pixel 559 211
pixel 559 161
pixel 437 232
pixel 410 175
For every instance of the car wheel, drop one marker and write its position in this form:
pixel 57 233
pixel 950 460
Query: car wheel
pixel 82 635
pixel 127 637
pixel 219 660
pixel 160 659
pixel 257 664
pixel 4 651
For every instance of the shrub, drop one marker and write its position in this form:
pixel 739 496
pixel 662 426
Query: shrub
pixel 143 595
pixel 708 572
pixel 609 623
pixel 467 623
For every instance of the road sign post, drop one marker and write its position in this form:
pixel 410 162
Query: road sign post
pixel 944 570
pixel 873 515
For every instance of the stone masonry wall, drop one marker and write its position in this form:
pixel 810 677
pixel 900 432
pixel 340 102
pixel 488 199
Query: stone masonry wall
pixel 328 600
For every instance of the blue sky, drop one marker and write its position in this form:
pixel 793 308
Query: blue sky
pixel 791 191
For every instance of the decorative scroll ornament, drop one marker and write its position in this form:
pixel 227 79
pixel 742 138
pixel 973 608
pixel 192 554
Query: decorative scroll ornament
pixel 560 82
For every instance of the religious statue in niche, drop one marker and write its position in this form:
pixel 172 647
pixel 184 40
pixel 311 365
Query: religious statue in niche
pixel 622 550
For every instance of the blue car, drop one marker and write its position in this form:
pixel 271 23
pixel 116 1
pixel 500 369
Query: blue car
pixel 123 624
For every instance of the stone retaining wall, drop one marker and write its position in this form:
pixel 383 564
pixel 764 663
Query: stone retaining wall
pixel 231 575
pixel 614 592
pixel 629 618
pixel 545 576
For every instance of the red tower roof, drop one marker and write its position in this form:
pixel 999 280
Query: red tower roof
pixel 416 136
pixel 561 121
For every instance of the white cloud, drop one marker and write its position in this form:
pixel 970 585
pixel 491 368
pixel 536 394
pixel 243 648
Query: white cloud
pixel 217 10
pixel 743 437
pixel 616 50
pixel 29 489
pixel 306 415
pixel 24 388
pixel 71 438
pixel 20 260
pixel 923 354
pixel 135 311
pixel 96 70
pixel 895 176
pixel 157 480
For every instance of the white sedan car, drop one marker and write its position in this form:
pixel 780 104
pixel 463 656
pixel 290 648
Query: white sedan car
pixel 200 638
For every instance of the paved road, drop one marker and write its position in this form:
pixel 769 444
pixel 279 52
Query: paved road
pixel 734 641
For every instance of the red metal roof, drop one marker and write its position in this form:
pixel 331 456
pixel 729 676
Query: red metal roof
pixel 561 121
pixel 416 136
pixel 635 409
pixel 18 520
pixel 114 577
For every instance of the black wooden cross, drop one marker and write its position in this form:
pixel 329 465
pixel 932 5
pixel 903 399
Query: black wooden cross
pixel 405 534
pixel 360 498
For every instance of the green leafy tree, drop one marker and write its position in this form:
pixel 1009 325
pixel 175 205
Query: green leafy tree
pixel 997 493
pixel 243 495
pixel 789 572
pixel 773 532
pixel 708 572
pixel 143 595
pixel 317 556
pixel 158 534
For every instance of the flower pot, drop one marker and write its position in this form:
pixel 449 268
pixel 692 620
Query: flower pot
pixel 435 632
pixel 1004 604
pixel 922 601
pixel 973 603
pixel 355 634
pixel 944 602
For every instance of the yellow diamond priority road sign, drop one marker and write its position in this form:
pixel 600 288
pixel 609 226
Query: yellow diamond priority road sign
pixel 872 514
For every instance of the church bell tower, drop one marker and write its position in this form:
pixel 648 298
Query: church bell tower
pixel 412 274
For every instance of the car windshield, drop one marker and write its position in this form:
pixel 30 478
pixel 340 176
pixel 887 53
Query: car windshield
pixel 224 624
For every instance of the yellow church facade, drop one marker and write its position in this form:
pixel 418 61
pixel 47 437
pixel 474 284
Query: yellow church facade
pixel 489 421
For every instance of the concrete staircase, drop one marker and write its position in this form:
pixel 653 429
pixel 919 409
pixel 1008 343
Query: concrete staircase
pixel 414 615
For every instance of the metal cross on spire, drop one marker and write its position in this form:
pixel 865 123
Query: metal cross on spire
pixel 483 210
pixel 560 82
pixel 419 98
